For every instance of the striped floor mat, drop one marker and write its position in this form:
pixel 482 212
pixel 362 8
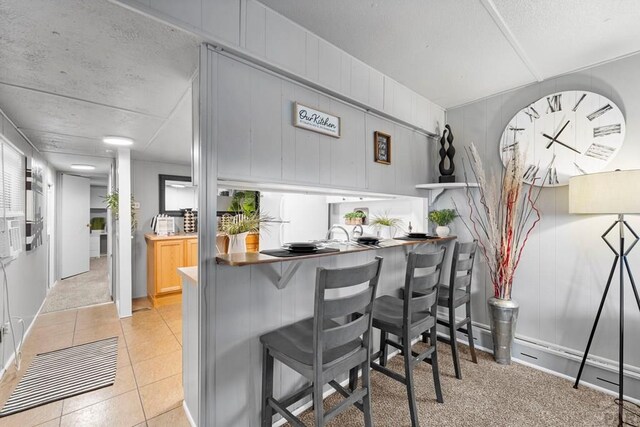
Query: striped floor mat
pixel 64 373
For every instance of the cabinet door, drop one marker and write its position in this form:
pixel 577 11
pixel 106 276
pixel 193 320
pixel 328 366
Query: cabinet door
pixel 191 246
pixel 170 256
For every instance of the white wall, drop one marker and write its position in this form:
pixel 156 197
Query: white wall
pixel 258 142
pixel 145 184
pixel 97 195
pixel 252 30
pixel 28 274
pixel 565 265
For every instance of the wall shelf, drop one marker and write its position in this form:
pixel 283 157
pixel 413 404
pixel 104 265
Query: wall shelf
pixel 437 188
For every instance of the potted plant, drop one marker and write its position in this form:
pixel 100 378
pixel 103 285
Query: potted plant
pixel 354 218
pixel 386 225
pixel 239 227
pixel 501 219
pixel 112 201
pixel 442 219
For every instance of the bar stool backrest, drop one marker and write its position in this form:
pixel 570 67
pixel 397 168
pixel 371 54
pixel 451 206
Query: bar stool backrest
pixel 462 267
pixel 355 308
pixel 423 287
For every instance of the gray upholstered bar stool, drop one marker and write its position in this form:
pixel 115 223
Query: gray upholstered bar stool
pixel 458 293
pixel 331 343
pixel 407 319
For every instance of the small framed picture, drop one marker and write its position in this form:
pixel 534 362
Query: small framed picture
pixel 382 148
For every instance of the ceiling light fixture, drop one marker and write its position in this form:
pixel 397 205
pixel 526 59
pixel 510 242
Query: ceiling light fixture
pixel 83 167
pixel 117 140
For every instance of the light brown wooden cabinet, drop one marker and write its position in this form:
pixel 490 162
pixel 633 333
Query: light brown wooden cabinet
pixel 165 254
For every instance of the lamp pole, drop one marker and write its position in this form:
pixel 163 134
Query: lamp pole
pixel 622 258
pixel 622 263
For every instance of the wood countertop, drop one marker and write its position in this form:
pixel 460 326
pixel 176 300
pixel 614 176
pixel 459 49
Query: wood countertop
pixel 153 237
pixel 253 258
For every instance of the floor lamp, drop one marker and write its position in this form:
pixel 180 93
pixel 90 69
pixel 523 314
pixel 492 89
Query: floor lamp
pixel 610 193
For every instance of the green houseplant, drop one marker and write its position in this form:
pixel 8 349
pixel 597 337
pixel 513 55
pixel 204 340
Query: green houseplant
pixel 244 201
pixel 354 218
pixel 238 227
pixel 112 200
pixel 442 218
pixel 386 225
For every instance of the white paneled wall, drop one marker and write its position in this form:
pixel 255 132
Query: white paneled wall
pixel 251 29
pixel 257 141
pixel 565 265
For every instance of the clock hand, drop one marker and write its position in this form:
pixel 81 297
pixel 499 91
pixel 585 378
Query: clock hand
pixel 561 143
pixel 558 134
pixel 570 148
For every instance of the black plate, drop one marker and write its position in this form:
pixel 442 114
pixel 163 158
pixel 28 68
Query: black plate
pixel 417 235
pixel 302 247
pixel 368 240
pixel 303 251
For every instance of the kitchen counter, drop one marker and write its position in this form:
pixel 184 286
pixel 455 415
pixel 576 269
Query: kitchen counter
pixel 253 258
pixel 153 236
pixel 251 294
pixel 190 273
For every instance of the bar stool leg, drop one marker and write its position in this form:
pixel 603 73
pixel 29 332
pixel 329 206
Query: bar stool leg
pixel 383 348
pixel 267 387
pixel 408 369
pixel 318 408
pixel 366 401
pixel 454 341
pixel 472 345
pixel 434 365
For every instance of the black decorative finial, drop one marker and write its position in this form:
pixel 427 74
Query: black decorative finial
pixel 446 165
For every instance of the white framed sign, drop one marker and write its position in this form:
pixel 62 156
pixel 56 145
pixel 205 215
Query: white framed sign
pixel 315 120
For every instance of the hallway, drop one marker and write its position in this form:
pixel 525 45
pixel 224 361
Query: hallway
pixel 83 290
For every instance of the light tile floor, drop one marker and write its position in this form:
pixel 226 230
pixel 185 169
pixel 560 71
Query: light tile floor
pixel 148 386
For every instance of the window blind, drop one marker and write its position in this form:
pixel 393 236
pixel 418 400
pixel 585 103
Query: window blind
pixel 13 182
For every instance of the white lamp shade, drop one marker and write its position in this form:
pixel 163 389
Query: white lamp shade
pixel 615 192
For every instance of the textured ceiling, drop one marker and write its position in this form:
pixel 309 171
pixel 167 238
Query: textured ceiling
pixel 74 71
pixel 62 163
pixel 455 52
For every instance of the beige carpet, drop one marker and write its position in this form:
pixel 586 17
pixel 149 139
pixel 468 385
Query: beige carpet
pixel 82 290
pixel 488 395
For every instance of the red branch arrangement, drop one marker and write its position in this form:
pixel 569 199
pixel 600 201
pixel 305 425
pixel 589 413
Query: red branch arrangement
pixel 502 217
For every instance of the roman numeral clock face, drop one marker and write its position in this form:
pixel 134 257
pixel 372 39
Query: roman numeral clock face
pixel 564 134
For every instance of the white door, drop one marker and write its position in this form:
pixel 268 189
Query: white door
pixel 74 225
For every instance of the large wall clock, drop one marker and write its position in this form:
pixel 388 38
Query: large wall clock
pixel 565 134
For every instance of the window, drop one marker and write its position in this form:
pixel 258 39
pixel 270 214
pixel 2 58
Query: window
pixel 12 200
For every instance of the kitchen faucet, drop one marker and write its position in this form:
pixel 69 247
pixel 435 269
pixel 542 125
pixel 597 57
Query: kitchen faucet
pixel 330 232
pixel 357 227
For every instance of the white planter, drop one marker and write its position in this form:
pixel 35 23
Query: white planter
pixel 442 231
pixel 386 232
pixel 238 243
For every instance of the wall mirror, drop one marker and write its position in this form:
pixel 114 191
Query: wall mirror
pixel 177 193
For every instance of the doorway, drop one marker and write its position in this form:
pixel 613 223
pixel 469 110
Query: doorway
pixel 83 242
